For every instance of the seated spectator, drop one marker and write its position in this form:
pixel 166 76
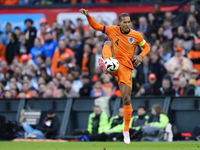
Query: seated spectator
pixel 97 124
pixel 28 64
pixel 70 92
pixel 17 32
pixel 157 117
pixel 176 83
pixel 80 25
pixel 42 89
pixel 23 47
pixel 156 67
pixel 60 93
pixel 7 94
pixel 86 55
pixel 194 74
pixel 185 89
pixel 50 45
pixel 85 90
pixel 107 85
pixel 165 52
pixel 152 87
pixel 47 129
pixel 194 55
pixel 26 93
pixel 52 86
pixel 48 63
pixel 188 41
pixel 168 28
pixel 197 90
pixel 36 50
pixel 77 83
pixel 11 46
pixel 115 125
pixel 97 91
pixel 30 32
pixel 179 64
pixel 4 67
pixel 160 36
pixel 136 123
pixel 166 88
pixel 8 27
pixel 59 58
pixel 191 23
pixel 49 94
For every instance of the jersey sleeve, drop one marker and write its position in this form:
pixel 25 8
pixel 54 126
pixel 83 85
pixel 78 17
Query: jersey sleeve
pixel 108 29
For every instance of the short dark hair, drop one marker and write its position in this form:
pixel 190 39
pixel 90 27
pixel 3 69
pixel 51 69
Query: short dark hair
pixel 123 15
pixel 17 28
pixel 143 107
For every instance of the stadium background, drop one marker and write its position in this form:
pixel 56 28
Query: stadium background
pixel 180 109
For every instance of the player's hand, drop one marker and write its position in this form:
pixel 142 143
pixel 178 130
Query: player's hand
pixel 84 11
pixel 137 60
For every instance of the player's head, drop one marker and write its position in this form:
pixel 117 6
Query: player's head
pixel 124 22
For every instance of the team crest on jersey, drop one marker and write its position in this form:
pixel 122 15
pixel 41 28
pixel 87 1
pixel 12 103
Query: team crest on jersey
pixel 131 40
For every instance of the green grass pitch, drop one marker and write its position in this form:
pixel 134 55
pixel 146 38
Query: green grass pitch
pixel 99 146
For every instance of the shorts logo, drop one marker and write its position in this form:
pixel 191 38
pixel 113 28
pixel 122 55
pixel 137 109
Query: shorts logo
pixel 131 40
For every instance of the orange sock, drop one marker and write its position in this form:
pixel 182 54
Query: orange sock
pixel 106 52
pixel 127 116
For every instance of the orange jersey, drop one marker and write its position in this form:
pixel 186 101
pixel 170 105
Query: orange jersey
pixel 123 44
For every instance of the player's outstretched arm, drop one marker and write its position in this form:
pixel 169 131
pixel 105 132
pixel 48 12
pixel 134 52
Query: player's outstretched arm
pixel 91 21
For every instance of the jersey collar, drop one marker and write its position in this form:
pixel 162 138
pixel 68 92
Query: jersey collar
pixel 124 32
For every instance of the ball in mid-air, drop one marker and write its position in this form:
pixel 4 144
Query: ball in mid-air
pixel 111 64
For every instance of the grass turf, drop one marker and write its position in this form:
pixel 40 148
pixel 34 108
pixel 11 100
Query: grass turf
pixel 99 146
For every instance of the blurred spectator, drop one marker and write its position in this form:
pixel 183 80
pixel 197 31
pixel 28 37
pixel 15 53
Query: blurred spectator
pixel 48 128
pixel 48 63
pixel 7 94
pixel 59 58
pixel 52 86
pixel 35 94
pixel 77 83
pixel 23 47
pixel 97 124
pixel 107 85
pixel 176 84
pixel 169 16
pixel 69 90
pixel 80 25
pixel 143 26
pixel 60 93
pixel 44 74
pixel 185 89
pixel 168 28
pixel 197 90
pixel 3 38
pixel 2 50
pixel 50 45
pixel 86 56
pixel 192 24
pixel 158 13
pixel 193 83
pixel 8 27
pixel 4 67
pixel 17 32
pixel 166 88
pixel 58 31
pixel 143 71
pixel 188 41
pixel 152 87
pixel 42 89
pixel 30 32
pixel 156 67
pixel 36 50
pixel 179 64
pixel 68 25
pixel 115 125
pixel 194 55
pixel 165 52
pixel 181 31
pixel 97 91
pixel 93 61
pixel 10 48
pixel 67 34
pixel 28 64
pixel 85 90
pixel 194 74
pixel 160 36
pixel 26 93
pixel 157 118
pixel 193 11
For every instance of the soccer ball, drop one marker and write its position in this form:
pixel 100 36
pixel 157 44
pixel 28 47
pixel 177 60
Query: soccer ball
pixel 111 64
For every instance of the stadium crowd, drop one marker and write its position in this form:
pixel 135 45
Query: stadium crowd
pixel 61 61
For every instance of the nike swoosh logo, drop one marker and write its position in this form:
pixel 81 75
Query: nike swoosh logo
pixel 117 35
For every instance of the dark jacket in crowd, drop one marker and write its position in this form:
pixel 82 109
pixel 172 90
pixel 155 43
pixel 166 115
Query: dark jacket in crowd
pixel 23 48
pixel 189 90
pixel 169 92
pixel 32 35
pixel 10 52
pixel 49 131
pixel 138 121
pixel 159 71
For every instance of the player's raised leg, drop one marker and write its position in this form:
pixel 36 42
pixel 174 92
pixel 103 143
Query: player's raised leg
pixel 126 97
pixel 107 52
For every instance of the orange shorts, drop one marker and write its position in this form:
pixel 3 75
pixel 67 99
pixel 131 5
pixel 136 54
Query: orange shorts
pixel 124 75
